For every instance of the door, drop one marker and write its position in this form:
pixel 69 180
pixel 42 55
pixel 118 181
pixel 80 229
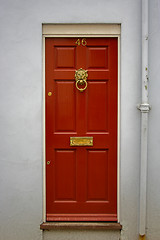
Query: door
pixel 81 129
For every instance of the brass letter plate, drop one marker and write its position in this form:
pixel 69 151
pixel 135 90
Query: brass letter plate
pixel 81 141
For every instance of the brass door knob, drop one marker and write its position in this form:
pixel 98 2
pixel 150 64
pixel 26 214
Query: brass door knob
pixel 49 94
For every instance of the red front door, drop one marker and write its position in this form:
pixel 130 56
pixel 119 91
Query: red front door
pixel 81 181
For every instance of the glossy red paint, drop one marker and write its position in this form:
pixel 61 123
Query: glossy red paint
pixel 81 181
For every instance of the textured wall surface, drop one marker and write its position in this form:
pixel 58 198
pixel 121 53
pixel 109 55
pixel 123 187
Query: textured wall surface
pixel 81 235
pixel 21 109
pixel 153 190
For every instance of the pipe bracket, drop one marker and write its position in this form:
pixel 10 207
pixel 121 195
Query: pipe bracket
pixel 144 107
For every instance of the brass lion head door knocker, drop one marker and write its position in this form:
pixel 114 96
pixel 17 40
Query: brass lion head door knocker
pixel 81 79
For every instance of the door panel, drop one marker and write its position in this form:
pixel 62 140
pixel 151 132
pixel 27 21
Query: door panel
pixel 97 57
pixel 65 181
pixel 65 106
pixel 65 57
pixel 97 106
pixel 81 181
pixel 97 175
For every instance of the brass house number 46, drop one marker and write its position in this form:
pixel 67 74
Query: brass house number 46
pixel 82 42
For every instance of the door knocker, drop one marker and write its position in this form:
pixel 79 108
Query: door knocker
pixel 81 79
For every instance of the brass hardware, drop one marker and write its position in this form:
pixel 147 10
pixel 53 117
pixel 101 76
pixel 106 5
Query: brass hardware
pixel 83 42
pixel 49 94
pixel 142 237
pixel 78 42
pixel 81 141
pixel 81 79
pixel 81 89
pixel 48 162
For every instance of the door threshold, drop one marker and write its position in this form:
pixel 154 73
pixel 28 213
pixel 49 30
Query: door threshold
pixel 81 225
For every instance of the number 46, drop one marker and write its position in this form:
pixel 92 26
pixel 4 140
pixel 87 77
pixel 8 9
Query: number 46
pixel 83 42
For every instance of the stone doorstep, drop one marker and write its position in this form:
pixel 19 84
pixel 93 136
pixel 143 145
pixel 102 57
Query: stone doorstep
pixel 81 226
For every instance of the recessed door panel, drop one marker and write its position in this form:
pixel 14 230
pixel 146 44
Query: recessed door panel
pixel 97 106
pixel 65 57
pixel 97 175
pixel 81 129
pixel 65 106
pixel 97 57
pixel 65 175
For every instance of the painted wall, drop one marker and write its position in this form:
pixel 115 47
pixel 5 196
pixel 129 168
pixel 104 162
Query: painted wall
pixel 21 109
pixel 153 192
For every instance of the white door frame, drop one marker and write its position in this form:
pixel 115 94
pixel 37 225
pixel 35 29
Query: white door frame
pixel 81 30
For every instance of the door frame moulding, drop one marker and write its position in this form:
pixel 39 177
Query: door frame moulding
pixel 81 30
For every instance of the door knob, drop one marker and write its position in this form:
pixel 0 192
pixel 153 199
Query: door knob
pixel 49 94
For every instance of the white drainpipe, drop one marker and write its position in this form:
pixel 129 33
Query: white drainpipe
pixel 144 107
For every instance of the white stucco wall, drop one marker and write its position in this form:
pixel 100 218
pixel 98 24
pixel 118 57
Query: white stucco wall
pixel 21 109
pixel 153 191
